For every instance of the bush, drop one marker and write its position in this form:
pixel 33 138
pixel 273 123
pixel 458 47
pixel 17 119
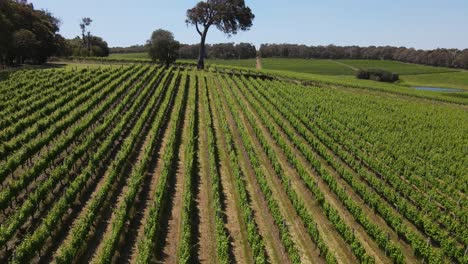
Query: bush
pixel 361 74
pixel 377 75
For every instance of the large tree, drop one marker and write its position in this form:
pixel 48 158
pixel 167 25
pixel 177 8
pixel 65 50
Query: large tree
pixel 86 22
pixel 229 16
pixel 163 47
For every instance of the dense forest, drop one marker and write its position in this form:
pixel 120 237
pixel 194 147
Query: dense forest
pixel 439 57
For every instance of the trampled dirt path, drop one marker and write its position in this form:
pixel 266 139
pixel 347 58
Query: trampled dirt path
pixel 267 227
pixel 258 64
pixel 346 65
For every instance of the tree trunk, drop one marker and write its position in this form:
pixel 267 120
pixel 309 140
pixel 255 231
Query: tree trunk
pixel 89 43
pixel 201 55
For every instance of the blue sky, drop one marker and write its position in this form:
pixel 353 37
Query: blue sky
pixel 424 24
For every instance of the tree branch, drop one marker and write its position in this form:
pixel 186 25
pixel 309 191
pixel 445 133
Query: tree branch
pixel 198 30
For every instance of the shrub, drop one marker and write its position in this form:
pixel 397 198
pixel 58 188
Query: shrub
pixel 377 75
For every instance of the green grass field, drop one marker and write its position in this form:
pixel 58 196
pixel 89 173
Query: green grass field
pixel 119 56
pixel 248 63
pixel 314 66
pixel 333 67
pixel 395 66
pixel 449 80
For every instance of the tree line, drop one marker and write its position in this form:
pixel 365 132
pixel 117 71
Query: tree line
pixel 191 51
pixel 454 58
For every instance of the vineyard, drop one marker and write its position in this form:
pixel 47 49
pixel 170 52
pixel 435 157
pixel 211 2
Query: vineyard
pixel 146 164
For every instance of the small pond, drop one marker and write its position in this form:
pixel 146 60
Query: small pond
pixel 437 89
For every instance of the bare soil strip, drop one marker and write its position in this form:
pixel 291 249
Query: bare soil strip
pixel 263 217
pixel 346 65
pixel 258 64
pixel 169 252
pixel 131 234
pixel 206 233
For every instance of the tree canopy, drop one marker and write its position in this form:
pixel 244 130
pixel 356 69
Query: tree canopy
pixel 26 34
pixel 163 47
pixel 228 16
pixel 79 48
